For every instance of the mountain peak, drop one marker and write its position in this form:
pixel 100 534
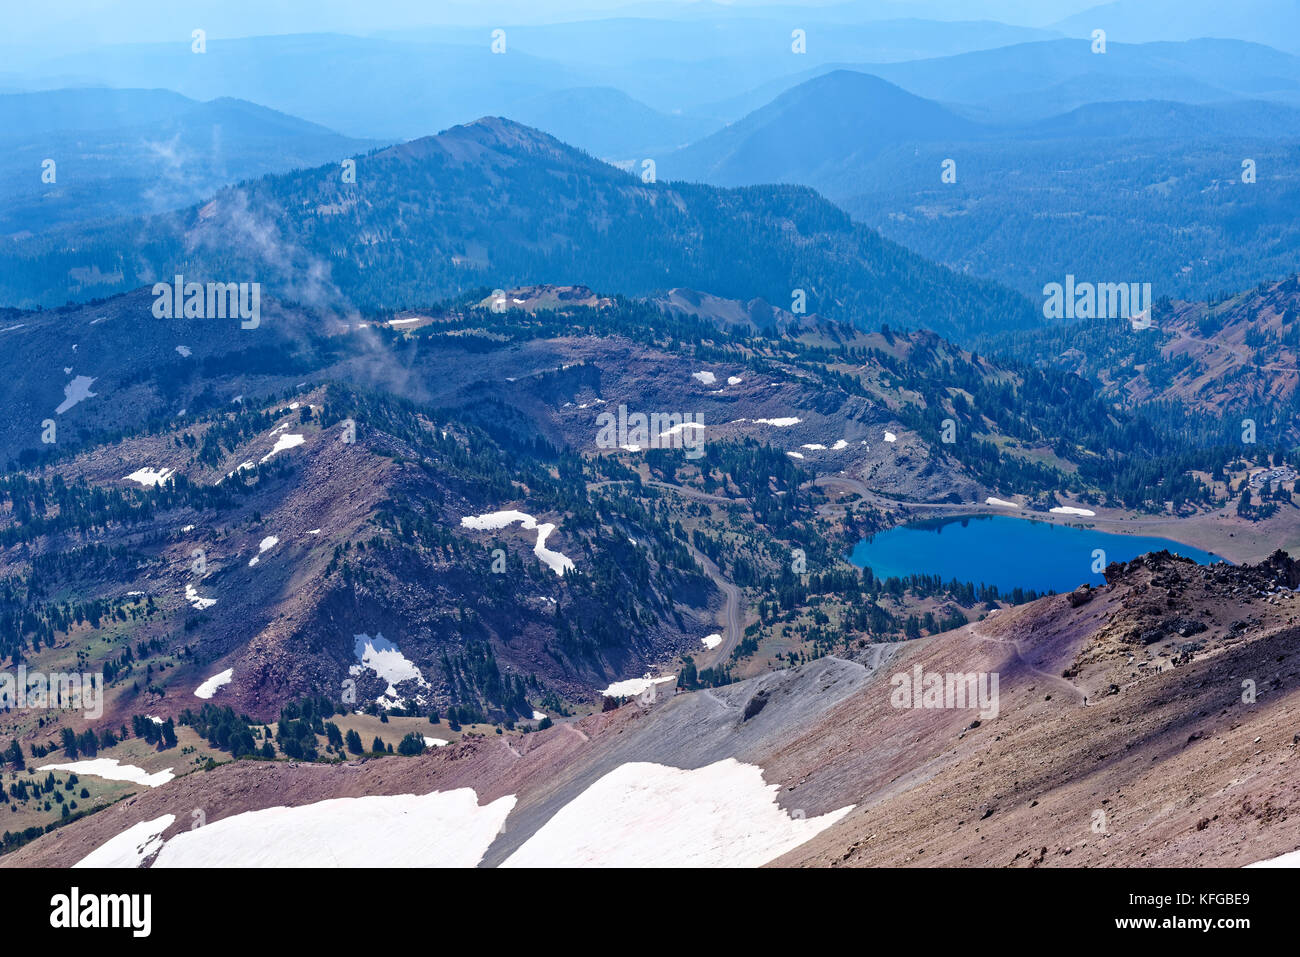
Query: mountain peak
pixel 494 134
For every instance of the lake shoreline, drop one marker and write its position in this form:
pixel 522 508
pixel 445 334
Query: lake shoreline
pixel 1008 551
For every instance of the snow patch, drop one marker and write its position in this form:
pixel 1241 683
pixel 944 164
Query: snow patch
pixel 132 847
pixel 148 476
pixel 111 770
pixel 78 390
pixel 1071 510
pixel 711 641
pixel 707 378
pixel 440 829
pixel 681 428
pixel 1000 502
pixel 266 545
pixel 1285 860
pixel 643 814
pixel 555 561
pixel 196 600
pixel 634 686
pixel 386 660
pixel 219 680
pixel 284 442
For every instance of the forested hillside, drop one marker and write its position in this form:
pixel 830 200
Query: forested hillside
pixel 496 204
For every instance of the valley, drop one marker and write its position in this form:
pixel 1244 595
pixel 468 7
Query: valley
pixel 655 435
pixel 255 537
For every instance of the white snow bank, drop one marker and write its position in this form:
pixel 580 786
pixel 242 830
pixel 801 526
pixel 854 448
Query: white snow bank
pixel 555 561
pixel 266 545
pixel 497 520
pixel 1001 502
pixel 284 442
pixel 650 815
pixel 795 455
pixel 219 680
pixel 682 427
pixel 111 770
pixel 196 600
pixel 891 437
pixel 839 444
pixel 634 686
pixel 184 351
pixel 148 476
pixel 708 378
pixel 386 660
pixel 435 742
pixel 778 423
pixel 78 390
pixel 1071 510
pixel 130 848
pixel 441 829
pixel 711 641
pixel 1285 860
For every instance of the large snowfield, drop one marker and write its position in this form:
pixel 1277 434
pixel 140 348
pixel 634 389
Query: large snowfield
pixel 650 815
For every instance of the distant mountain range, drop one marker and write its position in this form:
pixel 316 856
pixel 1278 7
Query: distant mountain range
pixel 404 86
pixel 1107 190
pixel 1027 81
pixel 1275 22
pixel 495 204
pixel 609 124
pixel 128 152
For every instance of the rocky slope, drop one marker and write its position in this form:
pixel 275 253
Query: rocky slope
pixel 1152 721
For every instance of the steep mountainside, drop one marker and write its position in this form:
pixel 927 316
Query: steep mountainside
pixel 1148 722
pixel 451 514
pixel 1235 356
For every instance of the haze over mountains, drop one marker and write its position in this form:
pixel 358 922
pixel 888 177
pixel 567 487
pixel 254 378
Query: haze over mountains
pixel 557 439
pixel 497 204
pixel 1104 190
pixel 123 152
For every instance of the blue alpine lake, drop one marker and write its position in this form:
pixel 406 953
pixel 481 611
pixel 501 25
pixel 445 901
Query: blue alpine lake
pixel 1006 552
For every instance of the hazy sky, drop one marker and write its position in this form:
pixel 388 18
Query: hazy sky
pixel 77 24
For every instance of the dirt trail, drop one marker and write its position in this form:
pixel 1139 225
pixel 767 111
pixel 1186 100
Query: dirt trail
pixel 1056 680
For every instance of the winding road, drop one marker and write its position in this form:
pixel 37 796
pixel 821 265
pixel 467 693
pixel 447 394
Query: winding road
pixel 981 508
pixel 733 613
